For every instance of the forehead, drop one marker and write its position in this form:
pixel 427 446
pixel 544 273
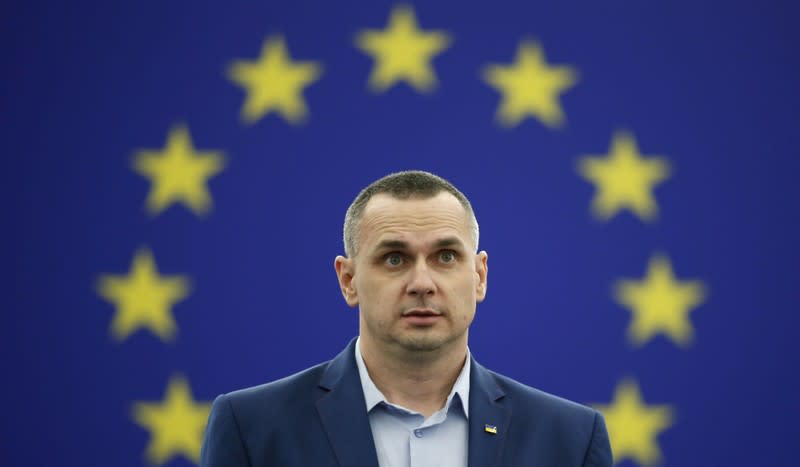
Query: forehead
pixel 385 216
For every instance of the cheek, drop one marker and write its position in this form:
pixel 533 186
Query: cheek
pixel 376 291
pixel 463 295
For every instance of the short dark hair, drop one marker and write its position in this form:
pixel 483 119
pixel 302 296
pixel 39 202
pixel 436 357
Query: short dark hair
pixel 402 185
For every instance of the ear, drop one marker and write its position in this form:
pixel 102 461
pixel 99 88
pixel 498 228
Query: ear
pixel 345 273
pixel 482 270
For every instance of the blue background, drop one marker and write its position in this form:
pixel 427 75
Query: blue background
pixel 711 86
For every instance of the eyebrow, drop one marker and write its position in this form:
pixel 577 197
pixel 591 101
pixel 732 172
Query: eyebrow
pixel 391 245
pixel 449 242
pixel 446 242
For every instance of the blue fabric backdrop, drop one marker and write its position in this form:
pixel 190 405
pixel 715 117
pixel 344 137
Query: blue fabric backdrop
pixel 709 90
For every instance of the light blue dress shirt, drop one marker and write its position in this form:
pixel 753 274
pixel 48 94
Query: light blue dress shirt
pixel 404 438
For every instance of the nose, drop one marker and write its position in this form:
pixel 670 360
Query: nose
pixel 421 283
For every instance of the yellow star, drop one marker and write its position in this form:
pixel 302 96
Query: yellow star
pixel 624 179
pixel 143 298
pixel 402 51
pixel 660 304
pixel 178 173
pixel 530 87
pixel 274 83
pixel 176 424
pixel 633 426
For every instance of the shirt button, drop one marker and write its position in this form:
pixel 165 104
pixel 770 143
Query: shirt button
pixel 418 433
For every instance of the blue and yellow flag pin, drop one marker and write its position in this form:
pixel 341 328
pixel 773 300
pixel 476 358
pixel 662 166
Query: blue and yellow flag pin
pixel 490 429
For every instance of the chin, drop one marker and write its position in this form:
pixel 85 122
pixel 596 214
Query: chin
pixel 425 343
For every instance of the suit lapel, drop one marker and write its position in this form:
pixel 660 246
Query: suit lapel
pixel 485 408
pixel 343 412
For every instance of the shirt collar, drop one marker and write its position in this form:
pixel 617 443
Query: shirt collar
pixel 373 396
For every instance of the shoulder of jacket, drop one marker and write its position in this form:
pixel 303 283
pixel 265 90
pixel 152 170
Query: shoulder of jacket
pixel 524 398
pixel 278 392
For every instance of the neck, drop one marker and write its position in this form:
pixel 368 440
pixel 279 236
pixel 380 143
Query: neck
pixel 417 380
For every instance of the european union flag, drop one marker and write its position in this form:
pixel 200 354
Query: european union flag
pixel 177 175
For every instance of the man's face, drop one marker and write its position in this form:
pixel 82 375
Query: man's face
pixel 416 278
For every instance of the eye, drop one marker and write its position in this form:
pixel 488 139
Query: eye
pixel 393 259
pixel 447 256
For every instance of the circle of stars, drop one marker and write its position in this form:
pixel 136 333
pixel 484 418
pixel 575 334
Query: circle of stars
pixel 402 52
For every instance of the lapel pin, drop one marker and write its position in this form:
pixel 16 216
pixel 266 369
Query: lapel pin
pixel 490 429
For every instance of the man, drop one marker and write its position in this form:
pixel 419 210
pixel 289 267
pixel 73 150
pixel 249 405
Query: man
pixel 407 392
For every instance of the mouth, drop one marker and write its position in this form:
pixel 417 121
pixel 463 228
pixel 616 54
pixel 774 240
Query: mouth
pixel 421 316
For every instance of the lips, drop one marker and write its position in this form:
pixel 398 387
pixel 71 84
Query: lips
pixel 421 316
pixel 422 312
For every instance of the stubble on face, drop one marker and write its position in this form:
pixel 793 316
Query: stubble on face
pixel 419 232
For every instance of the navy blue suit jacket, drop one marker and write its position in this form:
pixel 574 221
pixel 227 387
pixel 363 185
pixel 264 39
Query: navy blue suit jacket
pixel 318 418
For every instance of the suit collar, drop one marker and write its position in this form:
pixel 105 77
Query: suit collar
pixel 345 421
pixel 341 409
pixel 373 396
pixel 487 413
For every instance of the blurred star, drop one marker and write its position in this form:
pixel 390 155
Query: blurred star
pixel 274 83
pixel 143 298
pixel 176 424
pixel 530 87
pixel 660 303
pixel 624 179
pixel 178 173
pixel 402 52
pixel 633 425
